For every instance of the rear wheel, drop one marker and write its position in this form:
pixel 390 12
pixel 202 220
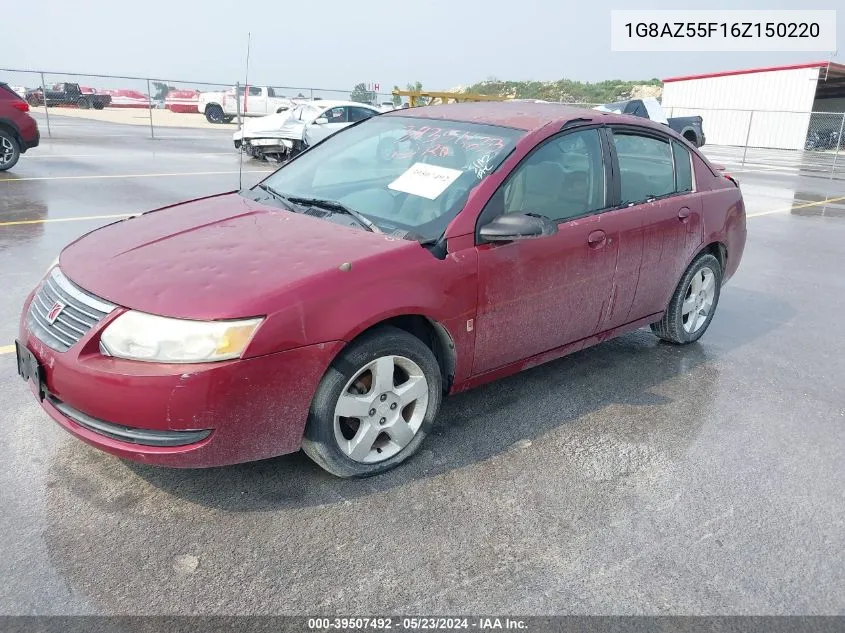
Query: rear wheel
pixel 692 306
pixel 214 113
pixel 99 105
pixel 375 404
pixel 10 150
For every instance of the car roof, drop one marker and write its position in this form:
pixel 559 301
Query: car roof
pixel 522 115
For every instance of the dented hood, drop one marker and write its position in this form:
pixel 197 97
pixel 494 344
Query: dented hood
pixel 215 258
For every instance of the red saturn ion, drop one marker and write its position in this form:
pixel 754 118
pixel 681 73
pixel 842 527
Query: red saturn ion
pixel 412 255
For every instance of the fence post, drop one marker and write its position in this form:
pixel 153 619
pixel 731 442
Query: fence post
pixel 838 145
pixel 747 137
pixel 238 101
pixel 150 104
pixel 312 94
pixel 46 113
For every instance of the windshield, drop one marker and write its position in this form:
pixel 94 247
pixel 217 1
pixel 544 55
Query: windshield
pixel 409 176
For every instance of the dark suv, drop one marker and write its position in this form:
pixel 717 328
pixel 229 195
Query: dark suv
pixel 18 130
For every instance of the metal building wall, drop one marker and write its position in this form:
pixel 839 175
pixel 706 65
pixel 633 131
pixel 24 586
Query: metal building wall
pixel 775 105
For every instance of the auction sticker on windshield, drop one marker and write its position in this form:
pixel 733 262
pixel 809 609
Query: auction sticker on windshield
pixel 426 181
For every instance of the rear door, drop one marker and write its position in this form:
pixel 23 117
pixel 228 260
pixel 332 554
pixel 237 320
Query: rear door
pixel 656 184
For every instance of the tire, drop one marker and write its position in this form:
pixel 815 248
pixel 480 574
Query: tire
pixel 99 105
pixel 214 113
pixel 675 327
pixel 33 101
pixel 10 150
pixel 393 419
pixel 83 104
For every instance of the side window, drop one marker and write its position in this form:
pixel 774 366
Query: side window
pixel 359 114
pixel 645 165
pixel 254 92
pixel 336 115
pixel 562 179
pixel 683 168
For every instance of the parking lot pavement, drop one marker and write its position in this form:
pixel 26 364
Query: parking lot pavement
pixel 633 477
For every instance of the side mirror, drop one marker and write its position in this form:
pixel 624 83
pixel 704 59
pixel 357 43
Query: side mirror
pixel 517 226
pixel 321 120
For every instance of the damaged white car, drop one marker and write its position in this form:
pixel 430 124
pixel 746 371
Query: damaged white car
pixel 282 136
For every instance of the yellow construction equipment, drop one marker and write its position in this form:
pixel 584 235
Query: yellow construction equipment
pixel 433 98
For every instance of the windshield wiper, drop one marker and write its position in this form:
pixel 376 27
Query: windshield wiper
pixel 286 201
pixel 334 205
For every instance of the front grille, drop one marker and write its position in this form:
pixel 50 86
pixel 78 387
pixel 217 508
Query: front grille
pixel 80 312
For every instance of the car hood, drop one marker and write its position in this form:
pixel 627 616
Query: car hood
pixel 215 258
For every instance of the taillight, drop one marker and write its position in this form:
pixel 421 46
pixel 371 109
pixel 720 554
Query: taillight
pixel 23 106
pixel 731 178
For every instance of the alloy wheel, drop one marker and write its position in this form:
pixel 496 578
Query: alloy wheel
pixel 698 300
pixel 380 409
pixel 7 151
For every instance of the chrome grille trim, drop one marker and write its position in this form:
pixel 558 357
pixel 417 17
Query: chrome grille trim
pixel 82 311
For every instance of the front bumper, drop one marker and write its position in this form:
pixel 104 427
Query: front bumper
pixel 33 141
pixel 229 412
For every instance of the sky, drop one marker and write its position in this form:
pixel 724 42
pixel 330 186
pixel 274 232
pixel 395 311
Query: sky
pixel 335 44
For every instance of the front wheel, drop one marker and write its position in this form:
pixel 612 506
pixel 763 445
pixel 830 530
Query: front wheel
pixel 10 150
pixel 83 104
pixel 693 304
pixel 375 404
pixel 214 113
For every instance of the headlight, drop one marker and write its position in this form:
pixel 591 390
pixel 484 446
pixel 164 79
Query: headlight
pixel 147 337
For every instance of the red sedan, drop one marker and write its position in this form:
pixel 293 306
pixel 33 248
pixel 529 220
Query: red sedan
pixel 412 255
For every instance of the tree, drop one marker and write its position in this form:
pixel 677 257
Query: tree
pixel 417 87
pixel 361 94
pixel 397 100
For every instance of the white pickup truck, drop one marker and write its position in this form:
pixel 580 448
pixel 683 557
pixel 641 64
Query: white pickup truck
pixel 222 107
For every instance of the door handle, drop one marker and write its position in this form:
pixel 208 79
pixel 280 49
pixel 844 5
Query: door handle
pixel 596 239
pixel 683 215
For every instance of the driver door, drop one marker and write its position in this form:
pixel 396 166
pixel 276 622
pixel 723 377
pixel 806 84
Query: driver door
pixel 539 294
pixel 336 119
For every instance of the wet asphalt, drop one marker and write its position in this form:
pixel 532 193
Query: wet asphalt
pixel 634 477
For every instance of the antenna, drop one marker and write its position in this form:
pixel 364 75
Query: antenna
pixel 238 101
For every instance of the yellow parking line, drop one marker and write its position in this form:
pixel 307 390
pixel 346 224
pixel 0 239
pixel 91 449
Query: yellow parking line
pixel 7 349
pixel 187 173
pixel 796 206
pixel 73 219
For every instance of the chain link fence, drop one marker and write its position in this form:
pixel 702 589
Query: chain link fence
pixel 807 141
pixel 72 105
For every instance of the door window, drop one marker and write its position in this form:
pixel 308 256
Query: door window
pixel 563 179
pixel 359 114
pixel 683 168
pixel 646 167
pixel 336 115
